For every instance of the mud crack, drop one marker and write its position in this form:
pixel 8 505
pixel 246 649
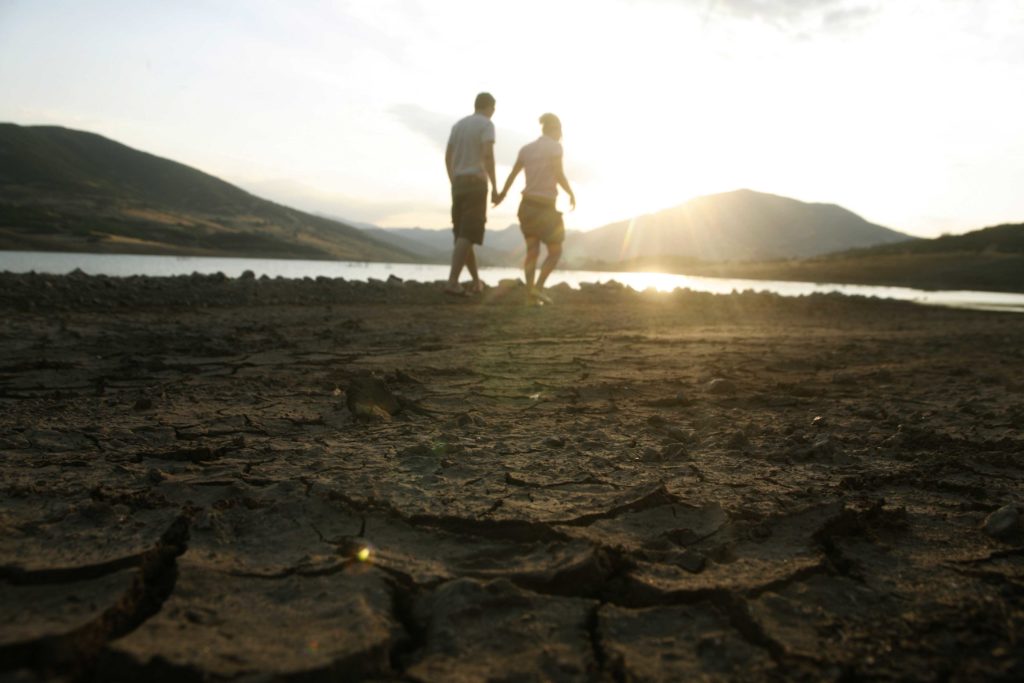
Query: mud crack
pixel 73 655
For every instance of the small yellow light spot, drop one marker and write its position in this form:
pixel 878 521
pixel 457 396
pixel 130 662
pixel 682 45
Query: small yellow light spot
pixel 363 555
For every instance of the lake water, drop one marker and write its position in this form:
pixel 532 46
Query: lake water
pixel 123 265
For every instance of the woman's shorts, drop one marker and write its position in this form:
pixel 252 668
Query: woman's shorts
pixel 539 218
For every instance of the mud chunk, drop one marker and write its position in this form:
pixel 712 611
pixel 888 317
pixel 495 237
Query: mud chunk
pixel 684 643
pixel 45 612
pixel 1003 522
pixel 369 398
pixel 495 631
pixel 218 626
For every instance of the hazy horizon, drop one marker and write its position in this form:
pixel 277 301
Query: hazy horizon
pixel 904 113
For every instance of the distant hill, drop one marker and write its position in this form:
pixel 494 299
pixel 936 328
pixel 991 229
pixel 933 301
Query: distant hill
pixel 734 226
pixel 69 190
pixel 502 247
pixel 991 259
pixel 1002 239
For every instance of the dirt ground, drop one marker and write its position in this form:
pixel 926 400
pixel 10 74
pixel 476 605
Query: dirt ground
pixel 215 479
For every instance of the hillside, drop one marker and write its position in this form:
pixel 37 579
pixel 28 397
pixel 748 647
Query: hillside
pixel 68 190
pixel 991 259
pixel 734 226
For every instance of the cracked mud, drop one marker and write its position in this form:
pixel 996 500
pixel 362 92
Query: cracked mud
pixel 215 479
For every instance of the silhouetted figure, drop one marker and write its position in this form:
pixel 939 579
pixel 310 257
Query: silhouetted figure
pixel 470 162
pixel 539 220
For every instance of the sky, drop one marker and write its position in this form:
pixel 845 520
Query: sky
pixel 909 113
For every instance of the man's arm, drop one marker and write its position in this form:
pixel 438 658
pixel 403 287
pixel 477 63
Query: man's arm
pixel 564 182
pixel 448 154
pixel 508 183
pixel 488 154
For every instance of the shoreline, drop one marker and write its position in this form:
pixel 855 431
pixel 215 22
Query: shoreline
pixel 998 273
pixel 237 268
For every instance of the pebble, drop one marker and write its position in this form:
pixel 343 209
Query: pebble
pixel 721 386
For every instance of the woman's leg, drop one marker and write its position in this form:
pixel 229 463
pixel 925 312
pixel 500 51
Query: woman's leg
pixel 530 263
pixel 554 253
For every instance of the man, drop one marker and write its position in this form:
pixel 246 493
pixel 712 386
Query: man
pixel 470 162
pixel 539 220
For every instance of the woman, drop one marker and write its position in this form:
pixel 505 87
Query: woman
pixel 539 220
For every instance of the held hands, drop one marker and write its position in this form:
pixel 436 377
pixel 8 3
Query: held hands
pixel 497 197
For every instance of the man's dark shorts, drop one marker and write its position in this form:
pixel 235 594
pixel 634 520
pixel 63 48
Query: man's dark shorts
pixel 539 218
pixel 469 207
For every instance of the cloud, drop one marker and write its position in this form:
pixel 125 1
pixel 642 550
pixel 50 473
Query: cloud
pixel 789 16
pixel 800 15
pixel 430 124
pixel 436 127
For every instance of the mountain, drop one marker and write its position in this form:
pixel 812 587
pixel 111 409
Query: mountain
pixel 69 190
pixel 734 226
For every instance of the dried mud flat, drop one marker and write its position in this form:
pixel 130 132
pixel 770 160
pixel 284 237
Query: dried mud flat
pixel 216 479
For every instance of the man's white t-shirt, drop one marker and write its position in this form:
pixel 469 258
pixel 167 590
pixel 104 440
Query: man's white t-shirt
pixel 540 161
pixel 467 141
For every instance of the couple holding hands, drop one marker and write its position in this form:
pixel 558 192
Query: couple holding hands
pixel 469 158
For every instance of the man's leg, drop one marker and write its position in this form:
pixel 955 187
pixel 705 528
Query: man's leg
pixel 530 263
pixel 471 267
pixel 459 253
pixel 554 253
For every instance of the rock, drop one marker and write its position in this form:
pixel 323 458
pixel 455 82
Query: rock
pixel 677 400
pixel 554 442
pixel 691 561
pixel 247 275
pixel 677 434
pixel 674 451
pixel 650 455
pixel 738 440
pixel 369 398
pixel 1003 522
pixel 144 403
pixel 395 280
pixel 721 386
